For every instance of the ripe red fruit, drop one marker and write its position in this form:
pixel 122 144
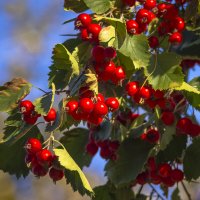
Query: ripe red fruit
pixel 167 181
pixel 149 4
pixel 100 109
pixel 164 170
pixel 84 92
pixel 51 116
pixel 162 9
pixel 129 2
pixel 143 16
pixel 26 107
pixel 177 175
pixel 142 178
pixel 39 170
pixel 132 88
pixel 93 119
pixel 105 152
pixel 178 24
pixel 33 145
pixel 132 27
pixel 184 125
pixel 154 177
pixel 84 34
pixel 56 174
pixel 44 157
pixel 151 163
pixel 114 145
pixel 171 12
pixel 76 116
pixel 93 31
pixel 153 42
pixel 168 118
pixel 112 103
pixel 110 53
pixel 100 97
pixel 144 92
pixel 86 105
pixel 71 106
pixel 176 38
pixel 30 119
pixel 83 21
pixel 109 70
pixel 152 136
pixel 92 148
pixel 163 28
pixel 194 130
pixel 98 53
pixel 119 75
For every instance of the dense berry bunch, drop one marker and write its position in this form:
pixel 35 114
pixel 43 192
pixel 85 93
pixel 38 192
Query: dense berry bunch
pixel 42 161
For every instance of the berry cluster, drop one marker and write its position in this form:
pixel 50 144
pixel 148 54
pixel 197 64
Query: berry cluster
pixel 159 174
pixel 151 135
pixel 92 110
pixel 170 23
pixel 108 148
pixel 187 64
pixel 89 31
pixel 30 116
pixel 41 161
pixel 104 67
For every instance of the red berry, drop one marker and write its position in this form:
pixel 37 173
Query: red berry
pixel 33 145
pixel 132 27
pixel 92 148
pixel 158 94
pixel 39 170
pixel 114 145
pixel 93 31
pixel 26 107
pixel 84 92
pixel 168 118
pixel 93 119
pixel 83 21
pixel 105 152
pixel 56 174
pixel 194 130
pixel 142 178
pixel 100 109
pixel 112 103
pixel 175 38
pixel 30 119
pixel 153 42
pixel 84 35
pixel 163 28
pixel 44 157
pixel 154 177
pixel 129 2
pixel 162 9
pixel 143 16
pixel 151 163
pixel 164 170
pixel 119 75
pixel 100 97
pixel 71 106
pixel 149 4
pixel 76 116
pixel 132 88
pixel 98 53
pixel 184 125
pixel 177 175
pixel 110 53
pixel 179 24
pixel 109 70
pixel 51 116
pixel 152 136
pixel 167 181
pixel 132 116
pixel 145 92
pixel 171 12
pixel 86 105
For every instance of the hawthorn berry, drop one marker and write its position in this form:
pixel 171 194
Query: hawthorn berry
pixel 129 2
pixel 184 125
pixel 51 116
pixel 143 16
pixel 26 107
pixel 44 157
pixel 149 4
pixel 144 92
pixel 175 38
pixel 100 109
pixel 152 136
pixel 119 75
pixel 56 174
pixel 168 118
pixel 83 21
pixel 84 34
pixel 93 31
pixel 110 53
pixel 98 53
pixel 109 70
pixel 92 148
pixel 33 145
pixel 153 42
pixel 164 170
pixel 112 103
pixel 132 27
pixel 39 170
pixel 179 24
pixel 142 178
pixel 86 105
pixel 100 97
pixel 71 106
pixel 31 118
pixel 177 175
pixel 132 88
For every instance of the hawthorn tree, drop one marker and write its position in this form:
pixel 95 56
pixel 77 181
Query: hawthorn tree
pixel 124 90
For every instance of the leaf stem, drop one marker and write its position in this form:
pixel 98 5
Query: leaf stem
pixel 186 191
pixel 40 89
pixel 59 143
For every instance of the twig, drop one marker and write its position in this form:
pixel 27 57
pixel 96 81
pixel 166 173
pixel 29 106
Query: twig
pixel 186 191
pixel 156 192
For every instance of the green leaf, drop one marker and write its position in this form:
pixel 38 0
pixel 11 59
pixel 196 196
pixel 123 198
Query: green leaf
pixel 192 93
pixel 167 136
pixel 191 162
pixel 98 6
pixel 120 30
pixel 173 150
pixel 133 154
pixel 73 173
pixel 12 92
pixel 138 121
pixel 102 193
pixel 75 142
pixel 72 43
pixel 64 68
pixel 103 131
pixel 12 156
pixel 175 195
pixel 136 47
pixel 127 64
pixel 82 53
pixel 78 6
pixel 53 126
pixel 107 35
pixel 164 71
pixel 45 103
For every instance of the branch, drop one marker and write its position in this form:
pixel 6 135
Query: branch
pixel 186 191
pixel 160 196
